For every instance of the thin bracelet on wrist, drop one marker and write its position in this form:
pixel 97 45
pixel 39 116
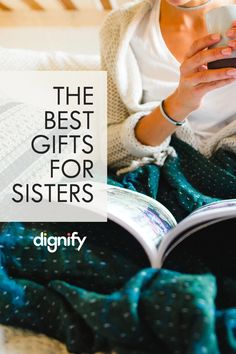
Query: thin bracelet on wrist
pixel 167 117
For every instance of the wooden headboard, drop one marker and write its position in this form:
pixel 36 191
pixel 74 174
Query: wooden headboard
pixel 40 5
pixel 54 12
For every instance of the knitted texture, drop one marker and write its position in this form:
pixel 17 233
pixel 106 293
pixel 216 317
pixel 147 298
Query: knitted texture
pixel 23 121
pixel 19 341
pixel 125 105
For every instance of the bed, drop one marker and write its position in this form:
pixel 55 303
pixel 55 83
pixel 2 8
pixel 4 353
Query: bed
pixel 49 30
pixel 46 25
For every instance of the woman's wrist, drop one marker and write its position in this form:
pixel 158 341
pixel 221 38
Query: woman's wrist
pixel 168 118
pixel 153 128
pixel 176 109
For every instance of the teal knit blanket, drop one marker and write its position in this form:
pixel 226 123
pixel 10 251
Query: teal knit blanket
pixel 107 297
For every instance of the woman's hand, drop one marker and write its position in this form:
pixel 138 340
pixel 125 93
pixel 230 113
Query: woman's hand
pixel 195 81
pixel 232 36
pixel 195 78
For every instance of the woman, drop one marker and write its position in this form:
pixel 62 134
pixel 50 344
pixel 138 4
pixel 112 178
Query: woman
pixel 156 54
pixel 100 300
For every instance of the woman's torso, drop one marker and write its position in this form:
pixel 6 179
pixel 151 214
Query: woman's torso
pixel 160 76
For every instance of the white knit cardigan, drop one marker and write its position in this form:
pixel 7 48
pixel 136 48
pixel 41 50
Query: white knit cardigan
pixel 125 106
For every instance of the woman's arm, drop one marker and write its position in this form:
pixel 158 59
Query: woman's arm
pixel 195 81
pixel 153 129
pixel 123 146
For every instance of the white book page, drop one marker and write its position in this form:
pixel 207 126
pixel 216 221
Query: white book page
pixel 143 217
pixel 217 206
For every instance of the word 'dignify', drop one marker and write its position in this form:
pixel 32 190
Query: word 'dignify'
pixel 53 242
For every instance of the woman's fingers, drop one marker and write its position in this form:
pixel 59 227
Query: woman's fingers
pixel 232 44
pixel 231 33
pixel 203 43
pixel 203 68
pixel 205 56
pixel 204 88
pixel 195 78
pixel 207 76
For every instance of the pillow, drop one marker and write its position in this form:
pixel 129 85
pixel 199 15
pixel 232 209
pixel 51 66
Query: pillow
pixel 24 59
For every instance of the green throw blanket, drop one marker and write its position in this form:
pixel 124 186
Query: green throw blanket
pixel 106 297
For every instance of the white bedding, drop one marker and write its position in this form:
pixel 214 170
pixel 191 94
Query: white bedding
pixel 81 40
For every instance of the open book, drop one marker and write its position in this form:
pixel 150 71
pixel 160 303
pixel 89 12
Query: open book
pixel 155 227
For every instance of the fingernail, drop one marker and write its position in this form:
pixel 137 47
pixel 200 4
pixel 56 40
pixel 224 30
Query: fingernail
pixel 231 72
pixel 215 36
pixel 226 51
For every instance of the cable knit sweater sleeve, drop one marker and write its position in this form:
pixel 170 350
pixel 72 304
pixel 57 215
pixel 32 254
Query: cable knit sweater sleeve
pixel 125 91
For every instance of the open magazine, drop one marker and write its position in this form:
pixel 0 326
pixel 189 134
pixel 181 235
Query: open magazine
pixel 153 225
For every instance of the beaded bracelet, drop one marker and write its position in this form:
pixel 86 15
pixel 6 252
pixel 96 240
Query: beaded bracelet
pixel 171 120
